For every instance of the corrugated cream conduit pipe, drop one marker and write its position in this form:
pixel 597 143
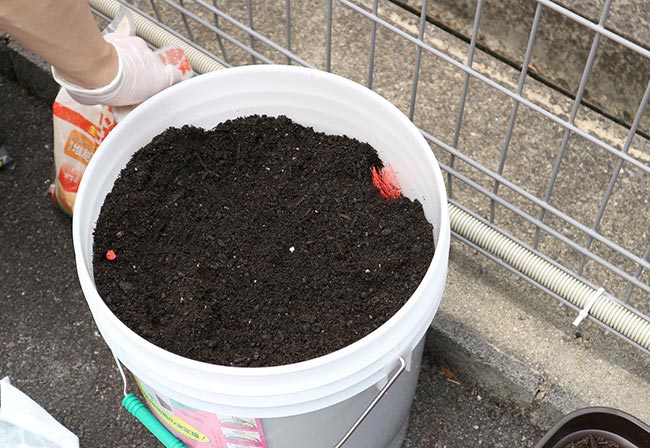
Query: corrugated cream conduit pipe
pixel 595 303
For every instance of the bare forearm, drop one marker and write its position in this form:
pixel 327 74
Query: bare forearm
pixel 65 35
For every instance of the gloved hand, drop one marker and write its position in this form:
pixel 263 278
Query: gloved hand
pixel 141 73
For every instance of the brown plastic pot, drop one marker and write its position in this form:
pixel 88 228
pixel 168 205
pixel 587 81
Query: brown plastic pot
pixel 622 428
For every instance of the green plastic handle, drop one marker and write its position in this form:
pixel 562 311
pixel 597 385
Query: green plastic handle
pixel 139 411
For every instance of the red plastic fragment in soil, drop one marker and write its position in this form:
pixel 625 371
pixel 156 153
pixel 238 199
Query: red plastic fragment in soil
pixel 110 255
pixel 386 182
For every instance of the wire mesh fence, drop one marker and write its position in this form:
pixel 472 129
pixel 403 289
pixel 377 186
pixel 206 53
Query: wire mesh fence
pixel 545 139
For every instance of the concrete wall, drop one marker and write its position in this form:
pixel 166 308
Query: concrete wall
pixel 619 76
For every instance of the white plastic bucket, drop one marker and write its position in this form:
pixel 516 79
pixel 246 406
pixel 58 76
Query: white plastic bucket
pixel 308 404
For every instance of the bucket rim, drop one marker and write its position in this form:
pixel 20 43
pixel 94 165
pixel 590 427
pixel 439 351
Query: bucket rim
pixel 439 260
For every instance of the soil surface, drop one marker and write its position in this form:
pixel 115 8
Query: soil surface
pixel 593 442
pixel 257 243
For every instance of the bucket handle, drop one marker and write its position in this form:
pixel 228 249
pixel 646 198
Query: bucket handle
pixel 162 431
pixel 373 403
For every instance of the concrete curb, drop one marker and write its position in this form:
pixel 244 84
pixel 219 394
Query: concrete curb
pixel 501 376
pixel 562 45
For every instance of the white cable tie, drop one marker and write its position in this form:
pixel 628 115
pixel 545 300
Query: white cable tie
pixel 584 312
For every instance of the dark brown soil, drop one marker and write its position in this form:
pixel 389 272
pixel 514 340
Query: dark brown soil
pixel 593 442
pixel 258 243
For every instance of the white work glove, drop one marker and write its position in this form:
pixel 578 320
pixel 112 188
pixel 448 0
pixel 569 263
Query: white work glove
pixel 141 73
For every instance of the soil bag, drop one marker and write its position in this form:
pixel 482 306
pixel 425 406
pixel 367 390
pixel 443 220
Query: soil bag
pixel 78 131
pixel 24 424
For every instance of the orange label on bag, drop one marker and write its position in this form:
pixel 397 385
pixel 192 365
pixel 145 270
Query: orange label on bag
pixel 98 131
pixel 69 177
pixel 79 147
pixel 176 57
